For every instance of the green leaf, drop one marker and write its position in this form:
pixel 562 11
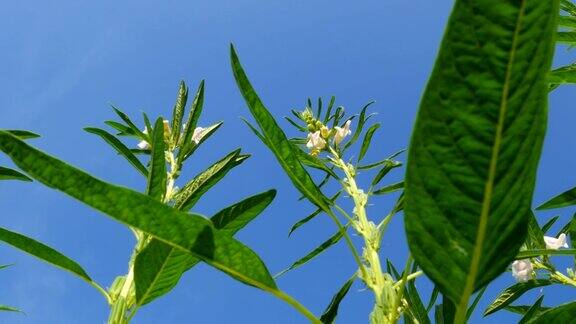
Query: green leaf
pixel 536 253
pixel 194 115
pixel 561 314
pixel 567 21
pixel 6 308
pixel 475 302
pixel 389 165
pixel 192 191
pixel 389 188
pixel 314 253
pixel 313 162
pixel 277 140
pixel 522 309
pixel 312 215
pixel 568 38
pixel 22 134
pixel 331 311
pixel 42 252
pixel 415 305
pixel 549 224
pixel 329 110
pixel 514 292
pixel 9 174
pixel 178 112
pixel 432 299
pixel 367 140
pixel 192 147
pixel 533 311
pixel 156 184
pixel 567 198
pixel 379 163
pixel 123 129
pixel 159 266
pixel 360 126
pixel 130 124
pixel 119 147
pixel 188 232
pixel 477 141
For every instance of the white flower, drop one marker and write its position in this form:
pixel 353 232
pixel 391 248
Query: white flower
pixel 553 243
pixel 342 132
pixel 198 134
pixel 315 141
pixel 143 145
pixel 522 270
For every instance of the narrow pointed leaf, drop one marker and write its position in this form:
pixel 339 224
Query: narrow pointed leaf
pixel 6 308
pixel 9 174
pixel 131 124
pixel 329 315
pixel 533 311
pixel 178 111
pixel 119 147
pixel 22 134
pixel 193 146
pixel 277 140
pixel 514 292
pixel 42 252
pixel 188 232
pixel 360 126
pixel 123 129
pixel 192 121
pixel 312 215
pixel 567 198
pixel 477 141
pixel 159 266
pixel 191 192
pixel 561 314
pixel 389 188
pixel 522 309
pixel 314 253
pixel 156 184
pixel 367 141
pixel 536 253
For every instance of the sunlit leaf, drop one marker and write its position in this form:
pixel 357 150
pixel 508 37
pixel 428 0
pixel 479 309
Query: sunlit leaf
pixel 42 252
pixel 276 139
pixel 159 266
pixel 567 198
pixel 514 292
pixel 389 188
pixel 188 232
pixel 156 184
pixel 178 112
pixel 192 122
pixel 476 143
pixel 22 134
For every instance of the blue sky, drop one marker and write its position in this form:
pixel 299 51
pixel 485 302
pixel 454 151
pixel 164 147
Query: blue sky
pixel 63 62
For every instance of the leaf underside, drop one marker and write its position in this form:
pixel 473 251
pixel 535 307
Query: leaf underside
pixel 477 142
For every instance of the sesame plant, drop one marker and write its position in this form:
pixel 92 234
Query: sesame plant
pixel 470 176
pixel 170 239
pixel 466 198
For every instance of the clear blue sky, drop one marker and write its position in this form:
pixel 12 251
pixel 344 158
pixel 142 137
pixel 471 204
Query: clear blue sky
pixel 63 62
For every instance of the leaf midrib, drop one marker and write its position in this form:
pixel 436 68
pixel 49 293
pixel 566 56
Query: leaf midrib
pixel 488 190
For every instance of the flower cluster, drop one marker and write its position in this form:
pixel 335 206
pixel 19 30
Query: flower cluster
pixel 522 270
pixel 319 134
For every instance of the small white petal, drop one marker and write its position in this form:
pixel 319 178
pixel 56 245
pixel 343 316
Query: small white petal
pixel 553 243
pixel 198 134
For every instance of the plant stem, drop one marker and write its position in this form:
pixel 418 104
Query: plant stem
pixel 299 307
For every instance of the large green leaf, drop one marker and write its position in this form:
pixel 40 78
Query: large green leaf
pixel 42 252
pixel 188 232
pixel 514 292
pixel 9 174
pixel 477 142
pixel 562 314
pixel 276 139
pixel 159 266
